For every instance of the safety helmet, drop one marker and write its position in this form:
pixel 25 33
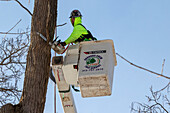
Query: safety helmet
pixel 75 13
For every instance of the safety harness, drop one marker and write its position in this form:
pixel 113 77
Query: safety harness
pixel 88 36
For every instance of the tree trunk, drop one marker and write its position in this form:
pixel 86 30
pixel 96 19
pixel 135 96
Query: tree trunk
pixel 38 60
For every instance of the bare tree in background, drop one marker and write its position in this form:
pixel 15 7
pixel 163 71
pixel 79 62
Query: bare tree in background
pixel 38 60
pixel 158 102
pixel 12 66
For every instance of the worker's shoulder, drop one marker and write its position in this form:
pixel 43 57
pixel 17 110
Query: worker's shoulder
pixel 79 26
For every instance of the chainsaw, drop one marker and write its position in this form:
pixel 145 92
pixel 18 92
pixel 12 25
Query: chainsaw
pixel 55 45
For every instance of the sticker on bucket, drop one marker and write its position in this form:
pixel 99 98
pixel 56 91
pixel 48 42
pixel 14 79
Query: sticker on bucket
pixel 95 52
pixel 93 61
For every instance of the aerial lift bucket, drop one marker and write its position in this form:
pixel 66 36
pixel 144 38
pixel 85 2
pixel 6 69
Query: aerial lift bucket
pixel 96 67
pixel 96 61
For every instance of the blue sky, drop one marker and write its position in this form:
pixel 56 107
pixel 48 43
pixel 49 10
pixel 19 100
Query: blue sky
pixel 140 30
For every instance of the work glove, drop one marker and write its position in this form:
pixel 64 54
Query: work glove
pixel 63 43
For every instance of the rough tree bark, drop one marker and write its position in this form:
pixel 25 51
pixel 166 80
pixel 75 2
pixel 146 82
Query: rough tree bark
pixel 38 60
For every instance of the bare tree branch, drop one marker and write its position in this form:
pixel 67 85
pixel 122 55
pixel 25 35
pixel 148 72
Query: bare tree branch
pixel 12 66
pixel 163 66
pixel 158 103
pixel 23 7
pixel 20 5
pixel 142 67
pixel 61 25
pixel 13 27
pixel 168 85
pixel 9 56
pixel 15 33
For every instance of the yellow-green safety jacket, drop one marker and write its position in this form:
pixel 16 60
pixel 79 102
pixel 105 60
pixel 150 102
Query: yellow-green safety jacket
pixel 80 33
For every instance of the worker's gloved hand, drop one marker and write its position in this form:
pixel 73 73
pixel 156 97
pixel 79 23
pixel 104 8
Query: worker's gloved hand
pixel 63 43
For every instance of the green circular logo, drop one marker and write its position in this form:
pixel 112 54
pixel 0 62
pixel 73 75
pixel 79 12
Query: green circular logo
pixel 93 61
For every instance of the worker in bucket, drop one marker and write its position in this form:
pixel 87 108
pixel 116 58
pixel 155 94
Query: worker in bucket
pixel 80 33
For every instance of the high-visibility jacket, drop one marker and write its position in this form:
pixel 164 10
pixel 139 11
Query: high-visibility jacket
pixel 79 32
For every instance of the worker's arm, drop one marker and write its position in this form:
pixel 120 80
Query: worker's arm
pixel 77 32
